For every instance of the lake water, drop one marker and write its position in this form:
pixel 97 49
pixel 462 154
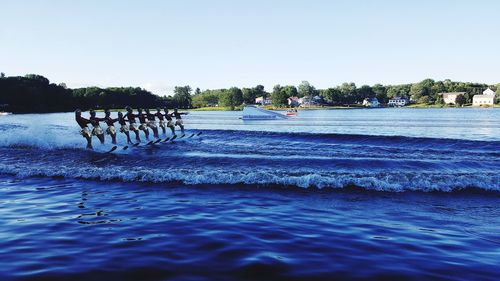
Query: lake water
pixel 330 194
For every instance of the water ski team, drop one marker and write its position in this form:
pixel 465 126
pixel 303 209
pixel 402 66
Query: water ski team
pixel 146 120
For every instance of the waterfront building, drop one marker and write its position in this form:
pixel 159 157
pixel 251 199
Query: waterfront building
pixel 451 98
pixel 293 101
pixel 263 101
pixel 398 101
pixel 371 102
pixel 486 99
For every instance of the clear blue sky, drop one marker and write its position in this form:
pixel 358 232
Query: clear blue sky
pixel 223 43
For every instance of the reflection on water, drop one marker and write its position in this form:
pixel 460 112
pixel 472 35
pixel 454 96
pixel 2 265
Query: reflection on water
pixel 148 231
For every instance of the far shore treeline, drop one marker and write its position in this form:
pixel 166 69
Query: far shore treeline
pixel 35 93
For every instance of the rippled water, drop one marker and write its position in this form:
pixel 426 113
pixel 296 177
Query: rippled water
pixel 342 194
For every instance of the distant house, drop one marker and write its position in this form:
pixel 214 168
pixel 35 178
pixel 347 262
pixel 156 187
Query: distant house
pixel 303 101
pixel 398 101
pixel 308 101
pixel 487 98
pixel 451 98
pixel 263 101
pixel 489 92
pixel 371 102
pixel 293 101
pixel 318 99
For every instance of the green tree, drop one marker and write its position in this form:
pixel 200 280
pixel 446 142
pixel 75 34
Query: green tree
pixel 392 92
pixel 439 100
pixel 380 93
pixel 460 100
pixel 498 94
pixel 226 99
pixel 290 91
pixel 306 90
pixel 237 95
pixel 37 78
pixel 423 88
pixel 248 95
pixel 332 96
pixel 425 100
pixel 348 93
pixel 206 98
pixel 458 87
pixel 182 97
pixel 260 91
pixel 231 97
pixel 279 96
pixel 399 91
pixel 468 97
pixel 437 88
pixel 365 92
pixel 197 91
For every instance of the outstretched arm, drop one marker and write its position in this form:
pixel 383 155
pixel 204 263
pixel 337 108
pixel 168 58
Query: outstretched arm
pixel 85 120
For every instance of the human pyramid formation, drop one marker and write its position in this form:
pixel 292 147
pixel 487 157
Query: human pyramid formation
pixel 146 119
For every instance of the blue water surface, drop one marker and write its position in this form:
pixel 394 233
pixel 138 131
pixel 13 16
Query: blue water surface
pixel 381 194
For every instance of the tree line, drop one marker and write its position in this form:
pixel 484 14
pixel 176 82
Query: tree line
pixel 424 92
pixel 35 93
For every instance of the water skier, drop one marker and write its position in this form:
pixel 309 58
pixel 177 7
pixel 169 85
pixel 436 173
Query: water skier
pixel 97 130
pixel 161 120
pixel 170 123
pixel 178 119
pixel 111 125
pixel 144 125
pixel 123 127
pixel 152 122
pixel 131 119
pixel 85 131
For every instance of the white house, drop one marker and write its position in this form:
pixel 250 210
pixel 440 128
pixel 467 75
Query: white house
pixel 398 101
pixel 487 98
pixel 263 101
pixel 308 101
pixel 293 101
pixel 371 102
pixel 318 100
pixel 451 98
pixel 489 92
pixel 481 100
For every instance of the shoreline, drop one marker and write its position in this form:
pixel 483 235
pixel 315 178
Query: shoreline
pixel 414 106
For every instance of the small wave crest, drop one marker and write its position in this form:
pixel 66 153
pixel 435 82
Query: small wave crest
pixel 50 136
pixel 388 182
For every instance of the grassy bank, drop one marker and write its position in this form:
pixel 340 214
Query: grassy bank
pixel 270 107
pixel 450 106
pixel 421 105
pixel 218 108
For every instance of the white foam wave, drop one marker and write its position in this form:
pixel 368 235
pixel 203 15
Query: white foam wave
pixel 378 182
pixel 42 137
